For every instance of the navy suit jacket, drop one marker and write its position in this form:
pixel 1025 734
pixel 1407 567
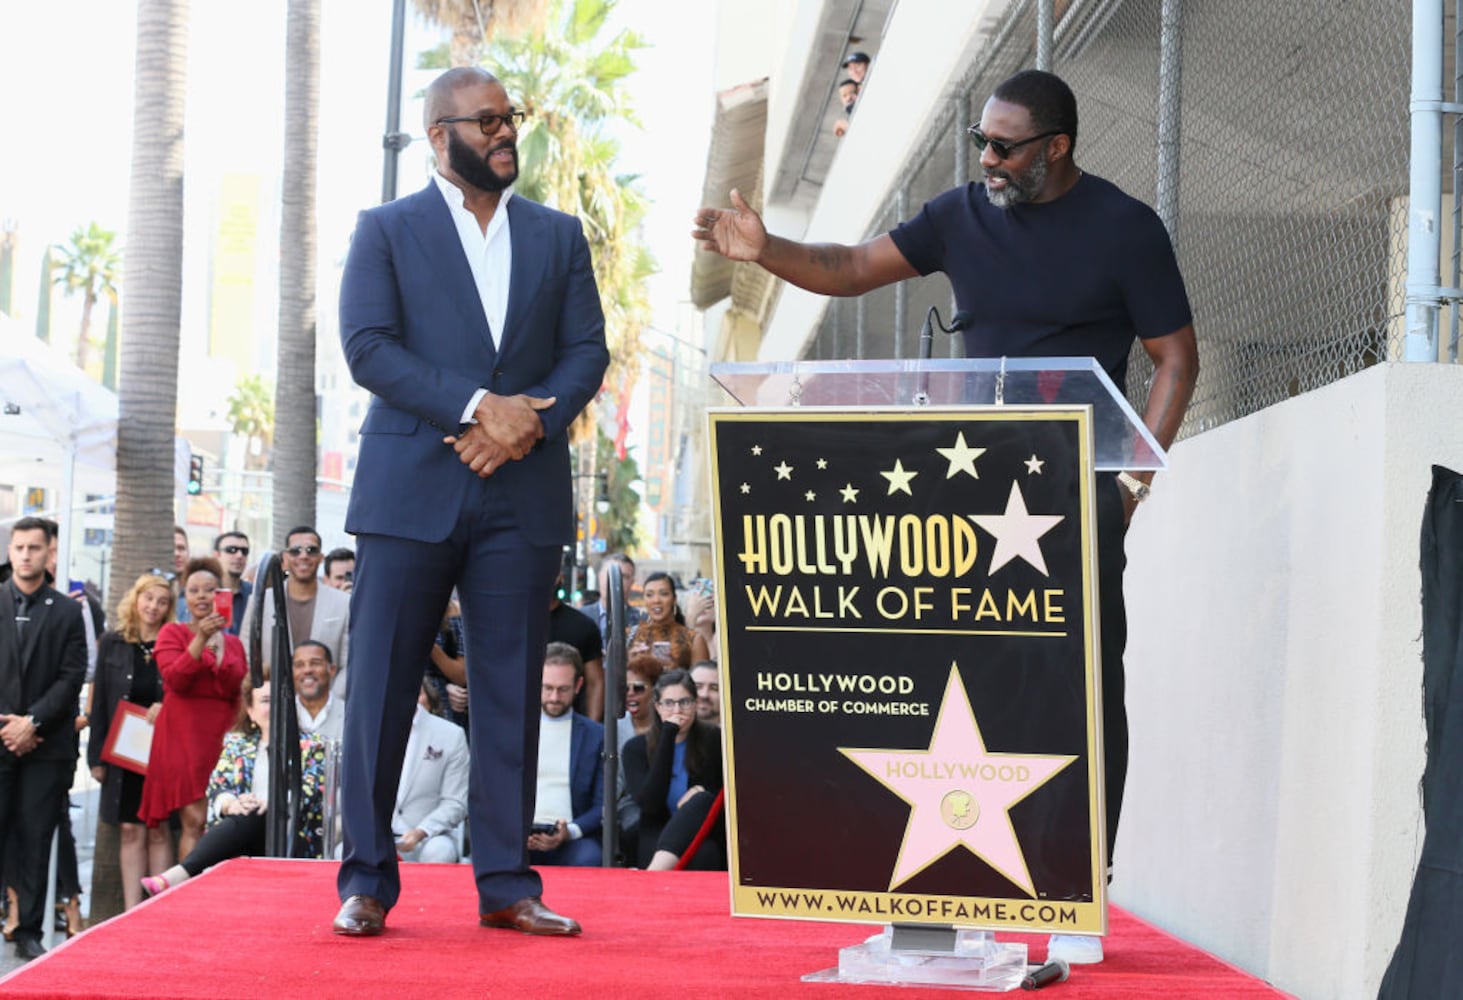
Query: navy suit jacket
pixel 586 773
pixel 414 334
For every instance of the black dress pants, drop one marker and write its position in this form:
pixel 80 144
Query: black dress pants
pixel 33 797
pixel 231 837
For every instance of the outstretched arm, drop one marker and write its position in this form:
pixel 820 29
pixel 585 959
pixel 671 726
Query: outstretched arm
pixel 737 233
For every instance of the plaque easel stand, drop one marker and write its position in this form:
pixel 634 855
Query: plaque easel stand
pixel 940 954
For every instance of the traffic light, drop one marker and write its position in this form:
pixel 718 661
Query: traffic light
pixel 195 475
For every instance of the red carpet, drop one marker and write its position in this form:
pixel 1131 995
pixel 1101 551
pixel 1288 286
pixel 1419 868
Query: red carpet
pixel 254 928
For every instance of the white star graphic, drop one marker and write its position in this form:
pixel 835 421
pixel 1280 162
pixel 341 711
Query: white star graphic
pixel 746 488
pixel 756 449
pixel 1017 533
pixel 784 471
pixel 1033 466
pixel 810 496
pixel 962 457
pixel 822 463
pixel 899 479
pixel 850 495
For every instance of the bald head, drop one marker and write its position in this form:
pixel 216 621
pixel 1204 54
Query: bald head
pixel 440 102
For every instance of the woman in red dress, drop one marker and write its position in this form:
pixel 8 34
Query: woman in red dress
pixel 203 669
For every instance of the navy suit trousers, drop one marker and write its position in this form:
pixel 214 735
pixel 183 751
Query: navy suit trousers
pixel 401 590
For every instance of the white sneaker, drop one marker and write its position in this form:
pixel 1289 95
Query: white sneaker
pixel 1074 949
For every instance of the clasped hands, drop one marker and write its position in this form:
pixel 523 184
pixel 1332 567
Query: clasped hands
pixel 18 734
pixel 507 428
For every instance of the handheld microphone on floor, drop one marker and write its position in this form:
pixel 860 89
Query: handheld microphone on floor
pixel 958 322
pixel 1055 971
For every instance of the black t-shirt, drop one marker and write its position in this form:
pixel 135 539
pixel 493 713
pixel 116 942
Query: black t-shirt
pixel 573 626
pixel 1080 276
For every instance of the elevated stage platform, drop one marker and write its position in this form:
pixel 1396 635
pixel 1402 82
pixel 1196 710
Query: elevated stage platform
pixel 261 928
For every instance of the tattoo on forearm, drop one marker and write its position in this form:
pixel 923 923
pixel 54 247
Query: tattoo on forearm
pixel 829 258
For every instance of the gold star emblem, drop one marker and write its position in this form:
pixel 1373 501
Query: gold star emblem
pixel 822 463
pixel 850 495
pixel 961 457
pixel 1033 466
pixel 756 449
pixel 783 470
pixel 810 496
pixel 746 488
pixel 899 479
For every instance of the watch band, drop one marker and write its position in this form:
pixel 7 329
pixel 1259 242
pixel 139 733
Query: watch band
pixel 1135 486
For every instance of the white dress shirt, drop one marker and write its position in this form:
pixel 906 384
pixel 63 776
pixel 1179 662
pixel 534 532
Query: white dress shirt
pixel 490 257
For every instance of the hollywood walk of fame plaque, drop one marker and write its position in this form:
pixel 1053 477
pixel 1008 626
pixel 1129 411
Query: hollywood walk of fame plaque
pixel 907 615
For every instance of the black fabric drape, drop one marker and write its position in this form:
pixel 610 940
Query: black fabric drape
pixel 1428 962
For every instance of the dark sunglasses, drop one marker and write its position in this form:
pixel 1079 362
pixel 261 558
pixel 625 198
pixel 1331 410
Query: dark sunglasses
pixel 303 550
pixel 1002 148
pixel 489 124
pixel 235 550
pixel 167 575
pixel 636 687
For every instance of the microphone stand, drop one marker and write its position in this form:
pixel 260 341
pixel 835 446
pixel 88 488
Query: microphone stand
pixel 927 344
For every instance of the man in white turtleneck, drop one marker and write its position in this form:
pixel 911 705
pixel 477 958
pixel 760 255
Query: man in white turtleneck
pixel 566 821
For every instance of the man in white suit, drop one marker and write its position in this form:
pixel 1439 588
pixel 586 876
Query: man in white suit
pixel 315 612
pixel 431 800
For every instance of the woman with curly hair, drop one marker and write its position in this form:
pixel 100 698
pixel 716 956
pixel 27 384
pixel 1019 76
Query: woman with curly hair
pixel 202 667
pixel 127 671
pixel 238 796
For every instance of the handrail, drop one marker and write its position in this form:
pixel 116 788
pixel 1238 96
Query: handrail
pixel 284 726
pixel 613 602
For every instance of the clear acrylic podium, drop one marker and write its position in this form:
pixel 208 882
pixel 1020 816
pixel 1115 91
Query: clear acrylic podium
pixel 1121 439
pixel 967 957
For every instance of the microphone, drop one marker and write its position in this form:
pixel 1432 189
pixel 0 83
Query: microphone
pixel 927 343
pixel 1055 971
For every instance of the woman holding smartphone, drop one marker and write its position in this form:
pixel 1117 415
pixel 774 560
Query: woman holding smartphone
pixel 202 667
pixel 661 634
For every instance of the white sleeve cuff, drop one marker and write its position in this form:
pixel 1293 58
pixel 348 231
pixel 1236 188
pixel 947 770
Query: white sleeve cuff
pixel 574 832
pixel 472 404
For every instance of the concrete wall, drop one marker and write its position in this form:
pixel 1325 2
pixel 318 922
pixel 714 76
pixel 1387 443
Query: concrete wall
pixel 1274 680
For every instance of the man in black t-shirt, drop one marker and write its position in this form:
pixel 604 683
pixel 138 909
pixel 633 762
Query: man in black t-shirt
pixel 568 624
pixel 1051 262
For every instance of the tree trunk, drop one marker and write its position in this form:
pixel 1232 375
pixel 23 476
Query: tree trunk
pixel 83 336
pixel 294 400
pixel 147 404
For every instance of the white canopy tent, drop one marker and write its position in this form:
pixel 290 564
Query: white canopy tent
pixel 58 429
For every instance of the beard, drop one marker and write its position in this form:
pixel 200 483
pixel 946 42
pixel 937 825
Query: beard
pixel 474 169
pixel 1019 187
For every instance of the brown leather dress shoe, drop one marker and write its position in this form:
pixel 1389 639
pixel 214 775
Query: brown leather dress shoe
pixel 530 916
pixel 360 916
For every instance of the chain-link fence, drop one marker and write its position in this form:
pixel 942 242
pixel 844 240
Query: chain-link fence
pixel 1292 182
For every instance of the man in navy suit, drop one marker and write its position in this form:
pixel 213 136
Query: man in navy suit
pixel 472 316
pixel 570 772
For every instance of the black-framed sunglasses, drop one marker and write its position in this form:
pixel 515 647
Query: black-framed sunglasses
pixel 1003 148
pixel 489 123
pixel 166 574
pixel 235 550
pixel 637 687
pixel 303 550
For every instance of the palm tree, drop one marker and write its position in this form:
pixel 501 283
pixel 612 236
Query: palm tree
pixel 251 417
pixel 569 80
pixel 89 264
pixel 294 404
pixel 153 277
pixel 472 22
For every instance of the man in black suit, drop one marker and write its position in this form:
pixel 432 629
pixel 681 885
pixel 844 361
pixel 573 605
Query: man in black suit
pixel 42 666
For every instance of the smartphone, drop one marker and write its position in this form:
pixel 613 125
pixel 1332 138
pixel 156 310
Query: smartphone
pixel 549 828
pixel 223 603
pixel 661 650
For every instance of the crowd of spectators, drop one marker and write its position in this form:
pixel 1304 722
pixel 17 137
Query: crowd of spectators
pixel 174 660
